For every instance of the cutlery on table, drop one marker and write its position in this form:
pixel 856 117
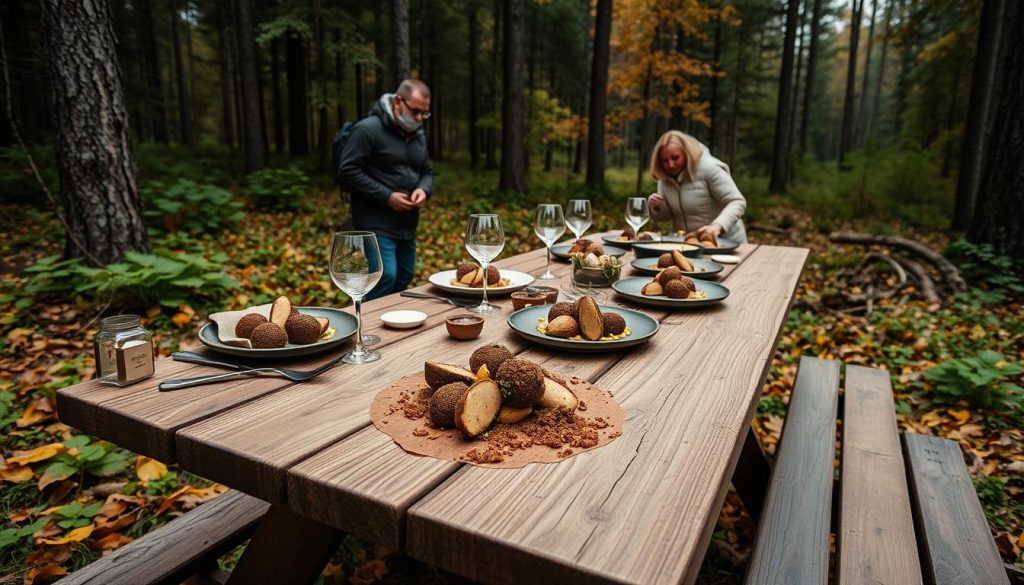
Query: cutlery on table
pixel 457 303
pixel 240 372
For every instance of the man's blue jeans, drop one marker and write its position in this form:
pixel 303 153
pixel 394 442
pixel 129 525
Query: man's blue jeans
pixel 399 260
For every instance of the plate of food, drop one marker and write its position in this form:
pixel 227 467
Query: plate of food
pixel 671 289
pixel 584 246
pixel 467 280
pixel 709 244
pixel 277 331
pixel 692 267
pixel 655 249
pixel 583 325
pixel 626 239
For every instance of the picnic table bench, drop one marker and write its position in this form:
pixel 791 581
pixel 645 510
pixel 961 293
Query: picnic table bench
pixel 641 509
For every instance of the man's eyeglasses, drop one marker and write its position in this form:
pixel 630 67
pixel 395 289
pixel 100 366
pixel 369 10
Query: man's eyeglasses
pixel 415 111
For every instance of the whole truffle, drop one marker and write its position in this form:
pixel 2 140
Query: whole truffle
pixel 645 236
pixel 595 249
pixel 247 323
pixel 491 355
pixel 670 273
pixel 302 329
pixel 464 269
pixel 493 276
pixel 521 383
pixel 268 335
pixel 627 233
pixel 679 288
pixel 581 245
pixel 441 408
pixel 665 260
pixel 559 309
pixel 614 324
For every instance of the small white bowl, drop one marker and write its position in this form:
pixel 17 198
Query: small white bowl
pixel 726 258
pixel 403 319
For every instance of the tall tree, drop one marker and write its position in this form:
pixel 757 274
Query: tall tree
pixel 98 178
pixel 1000 197
pixel 295 62
pixel 599 95
pixel 784 108
pixel 513 151
pixel 252 134
pixel 154 80
pixel 474 49
pixel 865 76
pixel 321 77
pixel 869 124
pixel 713 109
pixel 984 88
pixel 846 128
pixel 400 46
pixel 184 121
pixel 223 61
pixel 276 105
pixel 812 62
pixel 490 136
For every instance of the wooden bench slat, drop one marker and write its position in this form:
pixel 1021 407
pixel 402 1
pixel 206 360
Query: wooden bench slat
pixel 956 544
pixel 173 550
pixel 792 544
pixel 876 543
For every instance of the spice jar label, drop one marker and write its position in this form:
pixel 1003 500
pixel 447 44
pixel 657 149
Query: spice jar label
pixel 134 361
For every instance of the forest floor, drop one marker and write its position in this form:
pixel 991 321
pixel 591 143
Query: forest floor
pixel 67 498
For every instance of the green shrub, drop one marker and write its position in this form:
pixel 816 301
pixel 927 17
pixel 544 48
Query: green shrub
pixel 18 184
pixel 980 264
pixel 985 381
pixel 209 163
pixel 190 206
pixel 280 188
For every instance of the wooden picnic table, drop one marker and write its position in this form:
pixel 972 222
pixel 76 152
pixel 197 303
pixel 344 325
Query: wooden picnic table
pixel 639 510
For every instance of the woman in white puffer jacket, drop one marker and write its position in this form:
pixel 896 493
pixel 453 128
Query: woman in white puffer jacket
pixel 695 189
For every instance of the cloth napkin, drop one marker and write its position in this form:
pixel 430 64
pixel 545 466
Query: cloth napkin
pixel 226 321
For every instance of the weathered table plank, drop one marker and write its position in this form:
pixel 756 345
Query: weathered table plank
pixel 642 508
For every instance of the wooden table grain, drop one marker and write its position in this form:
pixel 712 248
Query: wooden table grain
pixel 640 510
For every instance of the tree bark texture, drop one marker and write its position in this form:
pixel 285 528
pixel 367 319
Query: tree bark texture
pixel 998 216
pixel 184 121
pixel 865 76
pixel 812 61
pixel 713 106
pixel 846 128
pixel 400 48
pixel 255 147
pixel 223 61
pixel 276 104
pixel 154 80
pixel 98 178
pixel 490 137
pixel 599 95
pixel 321 77
pixel 474 49
pixel 869 124
pixel 984 88
pixel 783 111
pixel 295 63
pixel 513 151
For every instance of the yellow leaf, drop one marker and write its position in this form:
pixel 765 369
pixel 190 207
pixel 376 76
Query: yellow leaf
pixel 19 334
pixel 41 409
pixel 76 535
pixel 16 474
pixel 44 574
pixel 171 498
pixel 149 469
pixel 180 320
pixel 960 415
pixel 931 418
pixel 38 454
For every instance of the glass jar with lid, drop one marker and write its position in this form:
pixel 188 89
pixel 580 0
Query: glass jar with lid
pixel 124 351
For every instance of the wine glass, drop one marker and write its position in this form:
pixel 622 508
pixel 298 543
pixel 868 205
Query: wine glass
pixel 578 216
pixel 356 268
pixel 549 225
pixel 484 239
pixel 637 214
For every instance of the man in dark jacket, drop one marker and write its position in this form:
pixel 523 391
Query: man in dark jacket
pixel 386 170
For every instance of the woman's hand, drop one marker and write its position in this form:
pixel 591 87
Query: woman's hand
pixel 712 228
pixel 655 201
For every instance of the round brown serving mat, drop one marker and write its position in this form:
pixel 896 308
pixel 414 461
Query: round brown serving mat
pixel 400 411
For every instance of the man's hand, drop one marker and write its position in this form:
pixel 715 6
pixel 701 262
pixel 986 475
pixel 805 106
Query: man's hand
pixel 418 198
pixel 400 202
pixel 712 228
pixel 655 201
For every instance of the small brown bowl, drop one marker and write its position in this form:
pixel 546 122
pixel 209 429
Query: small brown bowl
pixel 464 327
pixel 522 299
pixel 550 293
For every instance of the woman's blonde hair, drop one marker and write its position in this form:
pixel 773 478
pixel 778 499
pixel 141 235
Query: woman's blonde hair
pixel 691 149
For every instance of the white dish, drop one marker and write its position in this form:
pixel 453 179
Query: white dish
pixel 726 258
pixel 403 319
pixel 516 281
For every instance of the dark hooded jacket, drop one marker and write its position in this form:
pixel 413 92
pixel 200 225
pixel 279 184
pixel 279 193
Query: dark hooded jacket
pixel 378 159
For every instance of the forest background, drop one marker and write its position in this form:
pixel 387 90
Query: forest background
pixel 888 117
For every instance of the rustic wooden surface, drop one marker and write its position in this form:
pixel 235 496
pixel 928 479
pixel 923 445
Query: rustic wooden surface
pixel 169 553
pixel 953 534
pixel 792 544
pixel 689 396
pixel 267 559
pixel 875 539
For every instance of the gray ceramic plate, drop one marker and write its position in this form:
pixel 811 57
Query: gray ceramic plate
pixel 705 268
pixel 615 241
pixel 655 249
pixel 724 245
pixel 516 281
pixel 524 322
pixel 630 287
pixel 561 251
pixel 343 323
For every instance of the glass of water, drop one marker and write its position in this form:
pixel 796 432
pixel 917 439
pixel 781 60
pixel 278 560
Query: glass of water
pixel 549 225
pixel 485 239
pixel 356 268
pixel 578 216
pixel 637 214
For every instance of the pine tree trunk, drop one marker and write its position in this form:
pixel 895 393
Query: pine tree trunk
pixel 227 134
pixel 184 122
pixel 846 128
pixel 474 49
pixel 400 48
pixel 741 74
pixel 98 178
pixel 360 91
pixel 339 81
pixel 869 125
pixel 195 129
pixel 153 77
pixel 295 63
pixel 599 95
pixel 321 73
pixel 513 153
pixel 998 217
pixel 783 115
pixel 713 106
pixel 862 114
pixel 275 94
pixel 978 127
pixel 906 62
pixel 491 138
pixel 794 108
pixel 642 152
pixel 812 62
pixel 255 146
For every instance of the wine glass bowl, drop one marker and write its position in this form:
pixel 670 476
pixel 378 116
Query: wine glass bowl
pixel 637 214
pixel 356 268
pixel 549 225
pixel 578 216
pixel 485 238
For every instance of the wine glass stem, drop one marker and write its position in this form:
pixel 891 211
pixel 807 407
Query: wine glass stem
pixel 548 269
pixel 359 325
pixel 483 266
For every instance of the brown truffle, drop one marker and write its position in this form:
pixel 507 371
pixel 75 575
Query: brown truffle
pixel 268 335
pixel 595 249
pixel 645 236
pixel 562 308
pixel 563 326
pixel 614 324
pixel 665 260
pixel 249 322
pixel 652 289
pixel 521 382
pixel 670 273
pixel 627 233
pixel 581 245
pixel 302 329
pixel 437 374
pixel 464 269
pixel 679 288
pixel 708 239
pixel 490 355
pixel 441 408
pixel 493 276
